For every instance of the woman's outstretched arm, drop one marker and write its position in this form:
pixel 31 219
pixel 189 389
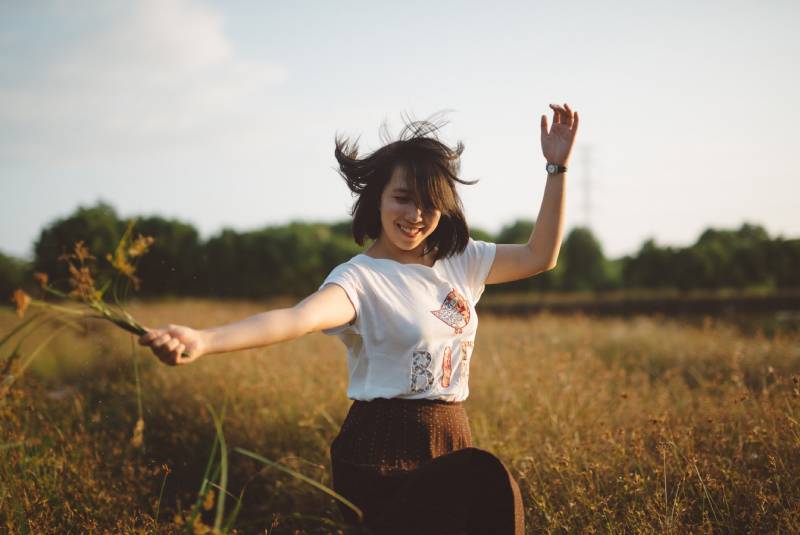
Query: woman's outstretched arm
pixel 177 344
pixel 519 261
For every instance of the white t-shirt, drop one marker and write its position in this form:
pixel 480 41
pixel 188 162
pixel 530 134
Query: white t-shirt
pixel 415 325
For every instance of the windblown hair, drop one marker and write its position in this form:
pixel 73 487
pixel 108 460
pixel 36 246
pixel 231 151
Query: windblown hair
pixel 431 169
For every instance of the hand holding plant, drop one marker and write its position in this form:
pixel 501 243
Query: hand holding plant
pixel 176 344
pixel 91 300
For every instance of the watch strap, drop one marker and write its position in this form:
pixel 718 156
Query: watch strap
pixel 553 168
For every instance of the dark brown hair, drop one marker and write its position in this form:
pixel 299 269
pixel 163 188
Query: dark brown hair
pixel 432 171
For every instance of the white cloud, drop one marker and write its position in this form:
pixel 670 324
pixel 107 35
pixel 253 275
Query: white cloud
pixel 151 73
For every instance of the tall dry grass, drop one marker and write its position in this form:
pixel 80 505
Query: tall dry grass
pixel 610 426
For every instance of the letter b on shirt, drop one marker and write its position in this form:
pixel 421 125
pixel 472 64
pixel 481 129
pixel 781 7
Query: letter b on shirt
pixel 421 374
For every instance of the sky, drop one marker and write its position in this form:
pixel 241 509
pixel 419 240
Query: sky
pixel 223 114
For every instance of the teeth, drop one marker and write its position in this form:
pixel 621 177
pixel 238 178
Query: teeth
pixel 410 230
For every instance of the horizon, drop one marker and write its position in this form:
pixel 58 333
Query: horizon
pixel 205 238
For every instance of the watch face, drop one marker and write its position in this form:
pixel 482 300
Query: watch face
pixel 551 168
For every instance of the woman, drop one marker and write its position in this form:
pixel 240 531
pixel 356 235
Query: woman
pixel 405 309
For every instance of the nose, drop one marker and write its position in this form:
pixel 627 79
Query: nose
pixel 414 215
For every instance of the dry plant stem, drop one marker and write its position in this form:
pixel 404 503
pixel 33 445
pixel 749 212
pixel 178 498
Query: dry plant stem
pixel 25 328
pixel 139 407
pixel 19 327
pixel 121 319
pixel 65 310
pixel 666 495
pixel 11 379
pixel 138 380
pixel 160 495
pixel 28 327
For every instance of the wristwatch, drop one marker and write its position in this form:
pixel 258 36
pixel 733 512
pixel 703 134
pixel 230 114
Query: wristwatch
pixel 553 168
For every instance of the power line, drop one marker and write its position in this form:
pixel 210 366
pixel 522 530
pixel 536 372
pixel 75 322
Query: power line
pixel 586 158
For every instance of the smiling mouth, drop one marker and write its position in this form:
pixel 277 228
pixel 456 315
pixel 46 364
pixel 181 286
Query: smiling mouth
pixel 411 232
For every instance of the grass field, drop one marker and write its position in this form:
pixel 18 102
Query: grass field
pixel 633 425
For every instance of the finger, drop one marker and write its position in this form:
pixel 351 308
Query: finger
pixel 544 125
pixel 161 340
pixel 147 337
pixel 179 352
pixel 556 114
pixel 562 114
pixel 168 357
pixel 575 123
pixel 570 115
pixel 163 357
pixel 172 344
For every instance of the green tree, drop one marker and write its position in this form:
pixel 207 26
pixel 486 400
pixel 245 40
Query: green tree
pixel 477 233
pixel 97 226
pixel 732 258
pixel 343 229
pixel 174 264
pixel 287 260
pixel 784 256
pixel 519 232
pixel 221 256
pixel 14 273
pixel 649 268
pixel 584 262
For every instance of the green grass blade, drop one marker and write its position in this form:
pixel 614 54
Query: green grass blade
pixel 228 524
pixel 55 292
pixel 223 476
pixel 209 467
pixel 232 517
pixel 306 479
pixel 207 481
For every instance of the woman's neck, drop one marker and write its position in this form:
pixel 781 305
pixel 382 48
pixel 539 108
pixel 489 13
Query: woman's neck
pixel 379 250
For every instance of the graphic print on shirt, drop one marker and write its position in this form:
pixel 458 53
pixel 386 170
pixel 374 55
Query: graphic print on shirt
pixel 447 367
pixel 454 311
pixel 421 375
pixel 466 352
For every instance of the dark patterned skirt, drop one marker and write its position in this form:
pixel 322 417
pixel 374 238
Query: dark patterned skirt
pixel 409 465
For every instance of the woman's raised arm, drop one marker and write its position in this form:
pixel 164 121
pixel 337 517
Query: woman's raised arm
pixel 325 308
pixel 519 261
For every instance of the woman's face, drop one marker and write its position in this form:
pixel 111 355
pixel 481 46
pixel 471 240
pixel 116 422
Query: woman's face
pixel 403 224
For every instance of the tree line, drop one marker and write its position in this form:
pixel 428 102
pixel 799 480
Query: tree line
pixel 293 259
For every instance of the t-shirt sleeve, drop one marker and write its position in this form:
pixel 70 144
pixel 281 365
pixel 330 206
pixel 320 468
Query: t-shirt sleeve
pixel 344 276
pixel 477 261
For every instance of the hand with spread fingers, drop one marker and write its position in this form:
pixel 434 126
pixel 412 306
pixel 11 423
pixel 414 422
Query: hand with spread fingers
pixel 557 143
pixel 176 344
